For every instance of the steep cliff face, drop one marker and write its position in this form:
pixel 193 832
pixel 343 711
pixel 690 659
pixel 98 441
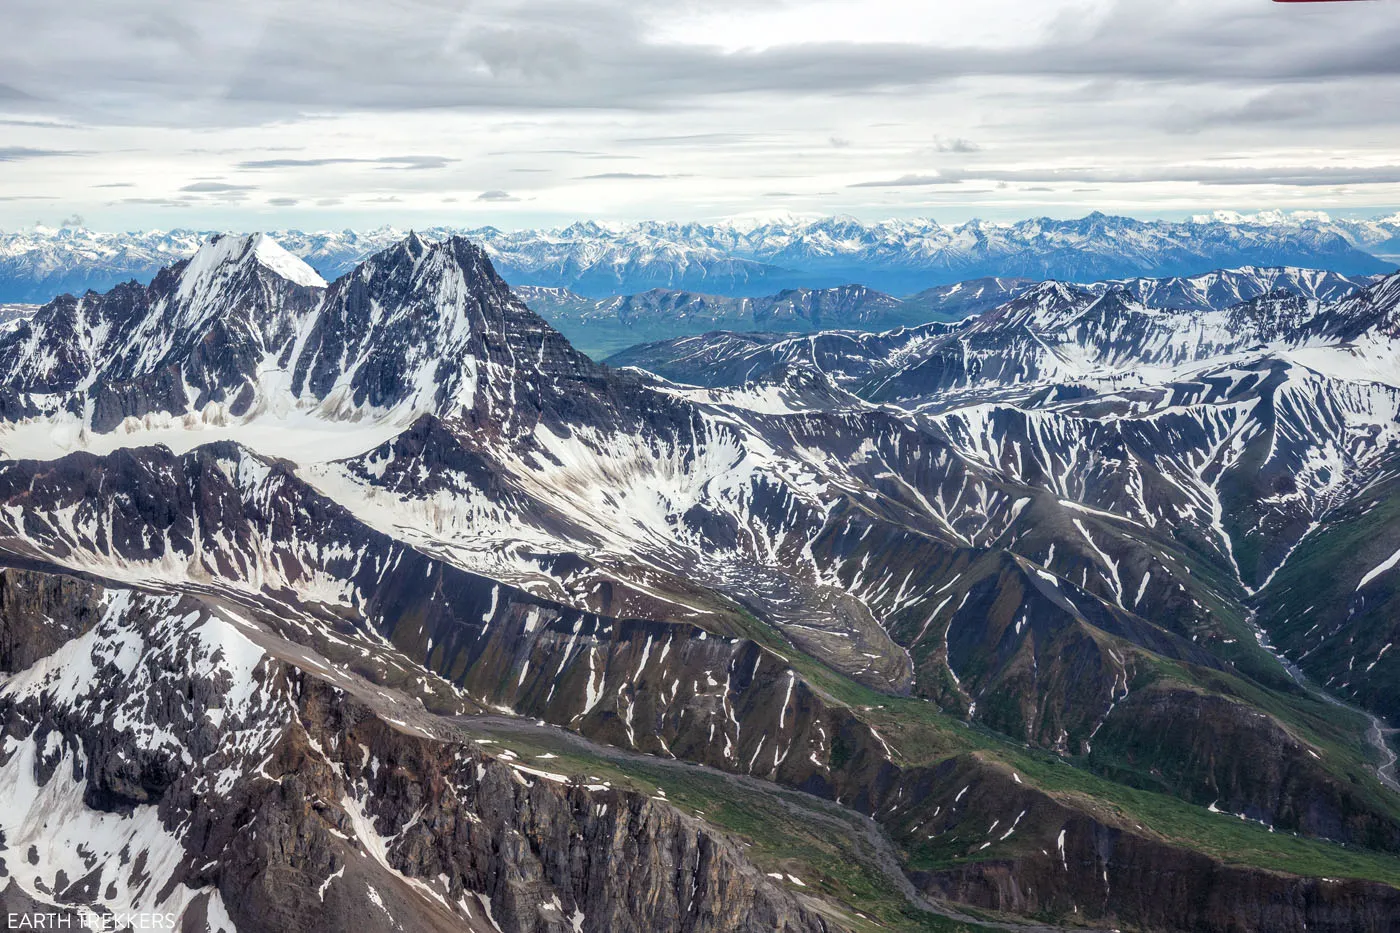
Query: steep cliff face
pixel 199 774
pixel 38 614
pixel 551 853
pixel 157 759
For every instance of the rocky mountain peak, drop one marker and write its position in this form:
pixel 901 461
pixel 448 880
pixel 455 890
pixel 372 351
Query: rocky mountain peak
pixel 223 254
pixel 246 325
pixel 1371 312
pixel 198 334
pixel 414 244
pixel 1040 307
pixel 427 327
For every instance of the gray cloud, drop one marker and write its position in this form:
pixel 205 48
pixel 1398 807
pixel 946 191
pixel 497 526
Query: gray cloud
pixel 956 144
pixel 215 187
pixel 1305 176
pixel 278 59
pixel 408 162
pixel 623 176
pixel 145 61
pixel 21 153
pixel 297 163
pixel 1122 91
pixel 41 124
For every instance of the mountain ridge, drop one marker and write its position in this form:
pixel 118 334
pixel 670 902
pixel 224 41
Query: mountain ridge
pixel 986 584
pixel 738 260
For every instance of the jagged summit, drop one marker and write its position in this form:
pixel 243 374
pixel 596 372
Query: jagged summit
pixel 200 334
pixel 243 330
pixel 1039 306
pixel 223 250
pixel 428 327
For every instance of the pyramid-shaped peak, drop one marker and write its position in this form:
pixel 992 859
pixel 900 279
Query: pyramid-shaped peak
pixel 272 255
pixel 1051 294
pixel 226 250
pixel 425 260
pixel 415 244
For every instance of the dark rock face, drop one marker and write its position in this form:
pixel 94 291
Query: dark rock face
pixel 297 807
pixel 38 614
pixel 543 852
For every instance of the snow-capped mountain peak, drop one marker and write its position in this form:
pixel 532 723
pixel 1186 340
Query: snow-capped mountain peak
pixel 1042 306
pixel 424 326
pixel 271 254
pixel 243 331
pixel 225 251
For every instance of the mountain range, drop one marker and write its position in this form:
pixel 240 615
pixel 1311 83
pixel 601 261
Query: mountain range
pixel 750 258
pixel 368 600
pixel 600 326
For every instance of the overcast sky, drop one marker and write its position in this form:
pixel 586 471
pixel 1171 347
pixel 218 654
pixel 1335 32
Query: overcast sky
pixel 329 113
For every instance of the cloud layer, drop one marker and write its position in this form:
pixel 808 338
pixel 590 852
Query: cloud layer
pixel 327 111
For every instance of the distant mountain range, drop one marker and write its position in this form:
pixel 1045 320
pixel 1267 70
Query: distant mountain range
pixel 899 257
pixel 600 326
pixel 603 326
pixel 12 314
